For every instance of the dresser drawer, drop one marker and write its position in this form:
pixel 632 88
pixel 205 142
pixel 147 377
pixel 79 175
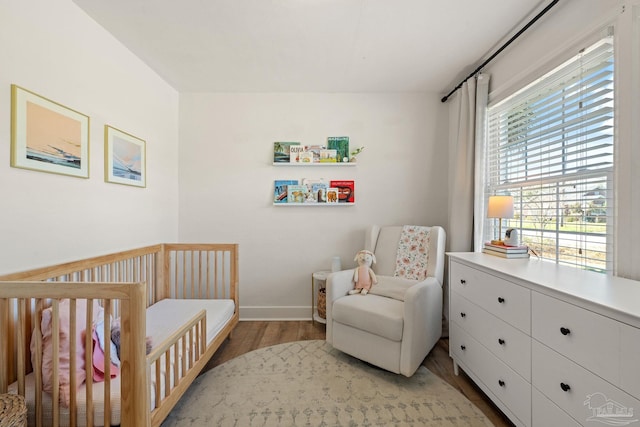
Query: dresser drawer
pixel 504 299
pixel 510 388
pixel 629 363
pixel 545 413
pixel 587 338
pixel 509 344
pixel 575 390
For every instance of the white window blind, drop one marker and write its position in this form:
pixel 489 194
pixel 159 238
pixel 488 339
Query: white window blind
pixel 551 146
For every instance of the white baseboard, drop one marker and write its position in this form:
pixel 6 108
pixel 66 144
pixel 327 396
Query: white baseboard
pixel 275 313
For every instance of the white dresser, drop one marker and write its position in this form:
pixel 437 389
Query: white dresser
pixel 550 345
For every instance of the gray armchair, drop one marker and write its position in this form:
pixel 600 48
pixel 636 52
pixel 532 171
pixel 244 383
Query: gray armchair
pixel 399 321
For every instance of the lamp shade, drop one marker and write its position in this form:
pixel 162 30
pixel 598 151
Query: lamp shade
pixel 500 207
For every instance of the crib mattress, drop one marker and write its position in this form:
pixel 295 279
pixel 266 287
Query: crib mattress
pixel 166 316
pixel 163 318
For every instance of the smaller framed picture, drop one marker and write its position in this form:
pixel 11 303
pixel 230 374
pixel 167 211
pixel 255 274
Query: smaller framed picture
pixel 124 158
pixel 47 136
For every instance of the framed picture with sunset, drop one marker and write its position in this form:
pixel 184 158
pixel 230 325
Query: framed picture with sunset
pixel 47 136
pixel 124 157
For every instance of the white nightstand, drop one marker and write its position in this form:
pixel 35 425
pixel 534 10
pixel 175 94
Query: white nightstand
pixel 318 281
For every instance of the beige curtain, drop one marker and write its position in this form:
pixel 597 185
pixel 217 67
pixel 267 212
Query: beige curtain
pixel 467 130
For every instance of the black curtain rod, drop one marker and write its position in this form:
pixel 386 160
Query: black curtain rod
pixel 518 34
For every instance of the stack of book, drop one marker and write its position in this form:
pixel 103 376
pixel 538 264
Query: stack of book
pixel 506 251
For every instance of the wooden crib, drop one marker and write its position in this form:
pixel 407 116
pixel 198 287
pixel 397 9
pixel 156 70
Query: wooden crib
pixel 124 285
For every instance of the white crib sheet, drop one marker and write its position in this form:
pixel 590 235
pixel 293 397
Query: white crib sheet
pixel 168 315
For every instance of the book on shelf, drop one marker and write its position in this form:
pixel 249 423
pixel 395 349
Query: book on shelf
pixel 281 151
pixel 332 195
pixel 280 192
pixel 318 189
pixel 294 153
pixel 341 145
pixel 306 157
pixel 506 249
pixel 297 193
pixel 315 149
pixel 505 254
pixel 329 156
pixel 346 190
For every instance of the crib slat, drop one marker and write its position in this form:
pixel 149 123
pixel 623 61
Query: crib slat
pixel 5 331
pixel 107 362
pixel 88 361
pixel 201 289
pixel 168 365
pixel 184 352
pixel 189 350
pixel 175 293
pixel 216 255
pixel 203 338
pixel 176 371
pixel 207 275
pixel 22 324
pixel 193 284
pixel 55 344
pixel 184 285
pixel 73 381
pixel 158 384
pixel 38 363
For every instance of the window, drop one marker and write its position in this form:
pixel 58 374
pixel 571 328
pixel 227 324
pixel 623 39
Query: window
pixel 550 146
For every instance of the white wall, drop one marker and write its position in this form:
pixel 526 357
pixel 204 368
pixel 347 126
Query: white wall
pixel 54 49
pixel 558 36
pixel 226 182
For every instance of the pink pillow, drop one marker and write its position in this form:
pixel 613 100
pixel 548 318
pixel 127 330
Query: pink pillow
pixel 64 364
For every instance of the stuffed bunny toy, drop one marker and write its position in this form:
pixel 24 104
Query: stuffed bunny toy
pixel 364 277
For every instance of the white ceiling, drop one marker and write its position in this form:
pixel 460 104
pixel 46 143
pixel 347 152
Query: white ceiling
pixel 311 45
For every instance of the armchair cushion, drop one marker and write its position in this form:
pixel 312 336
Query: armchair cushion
pixel 392 287
pixel 371 313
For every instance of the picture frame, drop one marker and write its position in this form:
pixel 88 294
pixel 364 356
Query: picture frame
pixel 47 136
pixel 125 158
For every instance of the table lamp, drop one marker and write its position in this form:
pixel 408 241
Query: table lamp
pixel 500 207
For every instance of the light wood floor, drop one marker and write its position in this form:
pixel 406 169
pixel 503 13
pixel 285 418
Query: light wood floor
pixel 250 336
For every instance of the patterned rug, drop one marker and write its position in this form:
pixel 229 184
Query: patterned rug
pixel 308 383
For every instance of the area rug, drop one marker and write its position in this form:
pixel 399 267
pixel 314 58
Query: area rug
pixel 308 383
